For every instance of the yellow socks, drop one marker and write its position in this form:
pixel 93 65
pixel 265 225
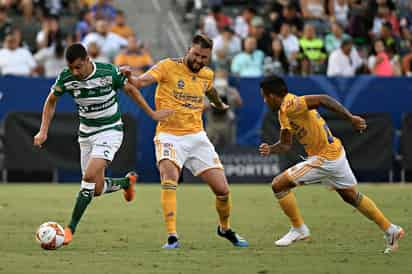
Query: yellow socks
pixel 368 208
pixel 223 206
pixel 290 207
pixel 168 200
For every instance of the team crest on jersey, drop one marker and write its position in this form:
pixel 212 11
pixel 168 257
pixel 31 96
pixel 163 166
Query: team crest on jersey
pixel 180 84
pixel 76 93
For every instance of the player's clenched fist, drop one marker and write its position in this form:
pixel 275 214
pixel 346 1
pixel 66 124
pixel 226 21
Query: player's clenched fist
pixel 39 139
pixel 358 123
pixel 264 149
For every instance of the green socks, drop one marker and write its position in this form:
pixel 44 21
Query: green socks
pixel 83 200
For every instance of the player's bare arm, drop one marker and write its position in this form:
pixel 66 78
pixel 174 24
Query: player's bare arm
pixel 138 98
pixel 214 99
pixel 48 113
pixel 315 101
pixel 283 145
pixel 140 81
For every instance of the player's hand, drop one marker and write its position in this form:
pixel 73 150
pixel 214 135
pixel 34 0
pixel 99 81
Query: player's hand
pixel 161 114
pixel 264 149
pixel 39 139
pixel 358 123
pixel 222 106
pixel 126 70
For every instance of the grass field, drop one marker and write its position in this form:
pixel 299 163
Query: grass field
pixel 115 237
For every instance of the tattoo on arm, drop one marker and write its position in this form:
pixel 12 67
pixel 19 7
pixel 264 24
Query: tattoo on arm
pixel 213 96
pixel 333 105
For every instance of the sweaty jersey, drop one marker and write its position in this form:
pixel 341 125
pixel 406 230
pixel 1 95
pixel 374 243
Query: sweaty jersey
pixel 95 96
pixel 183 91
pixel 309 128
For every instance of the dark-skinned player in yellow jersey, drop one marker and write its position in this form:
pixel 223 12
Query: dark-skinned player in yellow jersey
pixel 326 162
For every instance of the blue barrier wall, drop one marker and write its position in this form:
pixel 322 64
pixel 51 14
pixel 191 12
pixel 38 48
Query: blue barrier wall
pixel 359 94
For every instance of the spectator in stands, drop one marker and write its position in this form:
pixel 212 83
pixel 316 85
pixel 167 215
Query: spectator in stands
pixel 5 23
pixel 407 64
pixel 290 43
pixel 50 30
pixel 95 53
pixel 344 61
pixel 291 17
pixel 135 56
pixel 210 25
pixel 15 60
pixel 221 125
pixel 390 40
pixel 103 9
pixel 248 63
pixel 109 43
pixel 379 63
pixel 334 39
pixel 360 23
pixel 50 61
pixel 276 63
pixel 85 24
pixel 305 67
pixel 339 11
pixel 54 7
pixel 313 48
pixel 225 46
pixel 222 20
pixel 406 19
pixel 25 6
pixel 242 22
pixel 314 13
pixel 385 16
pixel 263 38
pixel 120 27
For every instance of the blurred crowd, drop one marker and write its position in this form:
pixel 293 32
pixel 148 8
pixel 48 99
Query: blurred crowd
pixel 34 34
pixel 304 37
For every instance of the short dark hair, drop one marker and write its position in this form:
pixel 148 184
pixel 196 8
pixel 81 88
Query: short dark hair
pixel 74 52
pixel 274 85
pixel 203 41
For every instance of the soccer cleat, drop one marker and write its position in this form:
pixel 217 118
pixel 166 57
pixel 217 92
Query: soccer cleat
pixel 172 242
pixel 68 236
pixel 130 192
pixel 293 235
pixel 233 237
pixel 392 239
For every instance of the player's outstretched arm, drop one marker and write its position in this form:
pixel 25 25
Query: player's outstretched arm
pixel 47 115
pixel 215 100
pixel 138 98
pixel 315 101
pixel 146 79
pixel 283 145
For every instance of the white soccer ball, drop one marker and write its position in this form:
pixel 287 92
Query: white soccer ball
pixel 50 235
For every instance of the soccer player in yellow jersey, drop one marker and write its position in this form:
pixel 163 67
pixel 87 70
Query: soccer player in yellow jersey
pixel 326 162
pixel 181 140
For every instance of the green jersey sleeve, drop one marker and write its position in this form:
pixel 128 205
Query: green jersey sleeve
pixel 58 86
pixel 119 79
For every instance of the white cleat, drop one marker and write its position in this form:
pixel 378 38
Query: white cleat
pixel 294 234
pixel 392 239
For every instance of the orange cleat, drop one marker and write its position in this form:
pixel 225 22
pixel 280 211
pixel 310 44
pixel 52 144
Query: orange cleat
pixel 68 236
pixel 129 192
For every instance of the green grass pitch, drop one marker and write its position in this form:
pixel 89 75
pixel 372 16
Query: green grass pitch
pixel 116 237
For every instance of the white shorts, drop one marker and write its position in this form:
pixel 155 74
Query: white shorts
pixel 193 151
pixel 103 145
pixel 336 173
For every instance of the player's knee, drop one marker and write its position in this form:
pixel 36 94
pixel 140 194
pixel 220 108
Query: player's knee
pixel 351 196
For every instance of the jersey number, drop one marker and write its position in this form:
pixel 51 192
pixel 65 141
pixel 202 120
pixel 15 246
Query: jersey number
pixel 328 134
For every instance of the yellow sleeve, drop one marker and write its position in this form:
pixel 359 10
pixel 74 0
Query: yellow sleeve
pixel 283 120
pixel 295 107
pixel 159 71
pixel 211 77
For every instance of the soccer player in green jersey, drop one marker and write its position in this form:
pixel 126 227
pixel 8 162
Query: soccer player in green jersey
pixel 93 86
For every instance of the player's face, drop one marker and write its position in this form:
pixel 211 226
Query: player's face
pixel 197 58
pixel 272 101
pixel 79 68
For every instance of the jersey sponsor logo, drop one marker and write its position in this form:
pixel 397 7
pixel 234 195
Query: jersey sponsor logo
pixel 88 84
pixel 180 84
pixel 97 107
pixel 187 97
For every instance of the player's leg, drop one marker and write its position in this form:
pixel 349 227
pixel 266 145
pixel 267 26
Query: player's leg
pixel 281 187
pixel 170 158
pixel 368 208
pixel 216 179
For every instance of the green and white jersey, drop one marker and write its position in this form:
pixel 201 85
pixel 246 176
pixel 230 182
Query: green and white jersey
pixel 95 96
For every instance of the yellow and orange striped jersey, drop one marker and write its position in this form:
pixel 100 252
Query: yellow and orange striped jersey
pixel 309 128
pixel 183 91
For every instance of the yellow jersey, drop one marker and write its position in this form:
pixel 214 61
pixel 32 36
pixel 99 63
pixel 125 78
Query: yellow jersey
pixel 309 128
pixel 181 90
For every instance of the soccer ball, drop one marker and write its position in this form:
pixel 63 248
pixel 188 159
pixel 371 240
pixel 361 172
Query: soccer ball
pixel 50 235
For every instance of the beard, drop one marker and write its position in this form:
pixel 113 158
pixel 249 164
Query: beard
pixel 190 64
